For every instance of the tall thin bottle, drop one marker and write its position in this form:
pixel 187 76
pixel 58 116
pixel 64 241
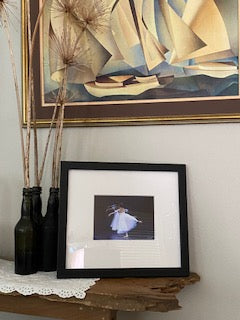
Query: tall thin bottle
pixel 50 232
pixel 38 220
pixel 25 238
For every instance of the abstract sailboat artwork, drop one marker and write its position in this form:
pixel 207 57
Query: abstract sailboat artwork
pixel 142 50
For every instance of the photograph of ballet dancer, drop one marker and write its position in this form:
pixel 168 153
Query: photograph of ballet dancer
pixel 123 217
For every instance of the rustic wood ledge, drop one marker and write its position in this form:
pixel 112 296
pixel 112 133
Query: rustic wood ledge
pixel 104 299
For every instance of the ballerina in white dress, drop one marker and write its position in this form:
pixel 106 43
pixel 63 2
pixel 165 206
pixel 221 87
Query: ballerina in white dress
pixel 122 221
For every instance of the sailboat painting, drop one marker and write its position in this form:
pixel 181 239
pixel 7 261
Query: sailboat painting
pixel 141 51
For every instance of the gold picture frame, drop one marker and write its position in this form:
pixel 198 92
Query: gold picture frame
pixel 201 85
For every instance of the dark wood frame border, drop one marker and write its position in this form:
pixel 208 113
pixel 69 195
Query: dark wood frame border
pixel 178 111
pixel 62 272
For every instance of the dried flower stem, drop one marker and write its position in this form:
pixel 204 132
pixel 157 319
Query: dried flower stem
pixel 30 75
pixel 17 92
pixel 47 142
pixel 34 35
pixel 56 140
pixel 31 105
pixel 59 131
pixel 66 47
pixel 55 149
pixel 59 152
pixel 67 50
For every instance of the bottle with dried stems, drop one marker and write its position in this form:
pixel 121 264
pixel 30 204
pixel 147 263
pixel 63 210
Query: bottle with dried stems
pixel 49 232
pixel 25 238
pixel 37 221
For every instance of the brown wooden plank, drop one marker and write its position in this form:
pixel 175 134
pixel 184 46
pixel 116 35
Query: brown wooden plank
pixel 144 286
pixel 103 299
pixel 34 305
pixel 134 294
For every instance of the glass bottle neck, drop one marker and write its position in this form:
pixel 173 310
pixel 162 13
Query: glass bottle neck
pixel 37 201
pixel 53 203
pixel 27 203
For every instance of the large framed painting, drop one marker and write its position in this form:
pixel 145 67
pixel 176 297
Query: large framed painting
pixel 137 61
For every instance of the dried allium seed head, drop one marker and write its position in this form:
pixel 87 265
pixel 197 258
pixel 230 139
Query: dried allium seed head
pixel 64 6
pixel 6 9
pixel 3 10
pixel 65 47
pixel 56 96
pixel 94 14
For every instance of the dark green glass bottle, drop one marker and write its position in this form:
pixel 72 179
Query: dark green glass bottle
pixel 38 220
pixel 25 237
pixel 50 232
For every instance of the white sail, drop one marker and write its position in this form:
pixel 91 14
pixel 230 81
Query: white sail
pixel 125 33
pixel 136 40
pixel 230 14
pixel 126 22
pixel 148 14
pixel 152 49
pixel 178 6
pixel 215 56
pixel 184 39
pixel 105 37
pixel 204 18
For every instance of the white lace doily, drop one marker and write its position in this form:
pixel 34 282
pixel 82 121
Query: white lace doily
pixel 42 283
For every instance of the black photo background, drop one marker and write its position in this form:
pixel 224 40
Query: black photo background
pixel 141 207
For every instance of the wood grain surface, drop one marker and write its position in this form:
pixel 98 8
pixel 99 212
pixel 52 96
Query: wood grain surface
pixel 104 299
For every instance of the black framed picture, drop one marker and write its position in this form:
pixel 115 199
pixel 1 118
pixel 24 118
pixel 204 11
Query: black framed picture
pixel 122 220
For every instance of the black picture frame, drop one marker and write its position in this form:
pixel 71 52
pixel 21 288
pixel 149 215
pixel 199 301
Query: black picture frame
pixel 79 187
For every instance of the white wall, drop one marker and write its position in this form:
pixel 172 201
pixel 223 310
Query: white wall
pixel 212 155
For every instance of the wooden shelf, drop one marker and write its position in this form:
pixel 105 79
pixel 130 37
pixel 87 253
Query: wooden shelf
pixel 104 299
